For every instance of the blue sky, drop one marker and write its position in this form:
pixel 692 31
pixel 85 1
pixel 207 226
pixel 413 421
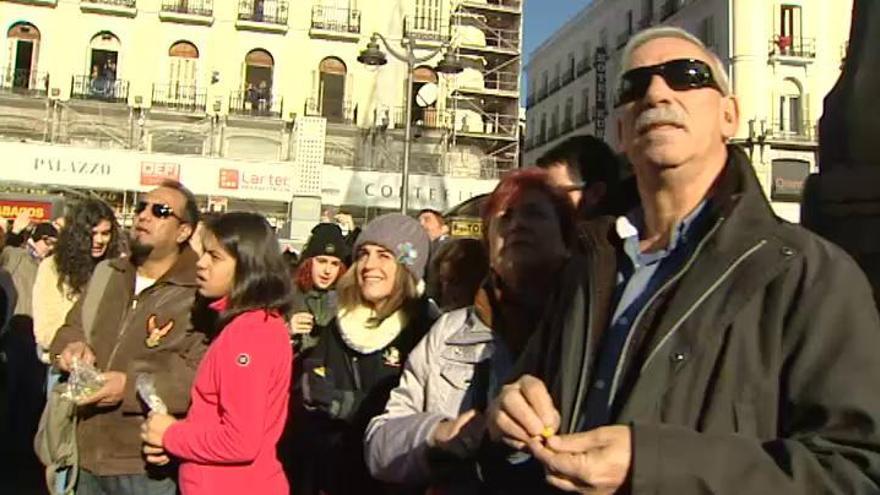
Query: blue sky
pixel 543 17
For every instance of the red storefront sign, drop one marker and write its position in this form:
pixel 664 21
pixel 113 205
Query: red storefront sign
pixel 39 210
pixel 228 178
pixel 153 173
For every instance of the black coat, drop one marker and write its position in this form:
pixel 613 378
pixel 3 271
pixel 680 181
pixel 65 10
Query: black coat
pixel 342 390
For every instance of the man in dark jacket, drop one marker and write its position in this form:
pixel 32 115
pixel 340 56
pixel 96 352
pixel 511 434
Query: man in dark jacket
pixel 138 315
pixel 700 345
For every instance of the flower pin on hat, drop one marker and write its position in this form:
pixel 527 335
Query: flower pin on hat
pixel 407 254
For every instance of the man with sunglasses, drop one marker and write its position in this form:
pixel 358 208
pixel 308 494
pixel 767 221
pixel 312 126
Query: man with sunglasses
pixel 701 345
pixel 138 315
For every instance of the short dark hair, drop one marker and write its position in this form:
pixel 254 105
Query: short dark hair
pixel 262 277
pixel 587 156
pixel 437 214
pixel 190 213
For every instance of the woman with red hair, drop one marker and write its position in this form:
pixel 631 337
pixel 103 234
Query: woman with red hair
pixel 432 424
pixel 314 299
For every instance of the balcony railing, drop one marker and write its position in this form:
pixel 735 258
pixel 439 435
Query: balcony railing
pixel 584 66
pixel 567 126
pixel 425 29
pixel 497 81
pixel 510 5
pixel 788 46
pixel 341 114
pixel 99 88
pixel 338 20
pixel 552 132
pixel 542 94
pixel 256 103
pixel 265 11
pixel 179 97
pixel 669 8
pixel 115 3
pixel 554 85
pixel 582 118
pixel 204 8
pixel 622 38
pixel 426 118
pixel 541 139
pixel 567 77
pixel 794 131
pixel 23 81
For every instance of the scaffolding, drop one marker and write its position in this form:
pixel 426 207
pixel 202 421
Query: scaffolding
pixel 487 36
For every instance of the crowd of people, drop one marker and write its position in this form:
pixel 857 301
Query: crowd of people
pixel 658 333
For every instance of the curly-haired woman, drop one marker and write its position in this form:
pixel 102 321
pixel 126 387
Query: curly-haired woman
pixel 90 236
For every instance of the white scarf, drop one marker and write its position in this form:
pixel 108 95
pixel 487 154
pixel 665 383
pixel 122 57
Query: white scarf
pixel 359 335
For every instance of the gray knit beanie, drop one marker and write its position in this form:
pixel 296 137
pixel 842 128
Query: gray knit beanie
pixel 401 235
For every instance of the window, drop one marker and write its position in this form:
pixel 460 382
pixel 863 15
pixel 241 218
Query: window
pixel 585 106
pixel 256 95
pixel 332 88
pixel 542 137
pixel 24 49
pixel 629 22
pixel 544 82
pixel 427 16
pixel 183 57
pixel 707 31
pixel 791 111
pixel 790 21
pixel 647 13
pixel 568 119
pixel 571 65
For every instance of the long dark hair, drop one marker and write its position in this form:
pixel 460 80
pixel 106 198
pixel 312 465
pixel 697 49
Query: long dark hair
pixel 261 275
pixel 73 253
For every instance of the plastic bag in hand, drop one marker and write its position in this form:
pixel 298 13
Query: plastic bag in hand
pixel 146 389
pixel 83 382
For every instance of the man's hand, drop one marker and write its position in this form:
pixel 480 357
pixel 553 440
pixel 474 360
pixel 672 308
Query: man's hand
pixel 522 411
pixel 460 436
pixel 111 393
pixel 595 462
pixel 154 428
pixel 79 350
pixel 155 455
pixel 302 323
pixel 21 221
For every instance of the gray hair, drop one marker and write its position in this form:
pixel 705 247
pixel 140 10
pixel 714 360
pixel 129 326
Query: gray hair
pixel 642 37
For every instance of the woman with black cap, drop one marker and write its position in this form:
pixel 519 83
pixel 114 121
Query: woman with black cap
pixel 322 264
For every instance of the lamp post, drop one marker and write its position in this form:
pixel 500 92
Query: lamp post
pixel 374 56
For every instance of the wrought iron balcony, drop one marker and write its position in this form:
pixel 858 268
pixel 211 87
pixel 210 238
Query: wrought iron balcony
pixel 203 8
pixel 542 94
pixel 554 86
pixel 789 46
pixel 567 126
pixel 567 77
pixel 263 11
pixel 622 38
pixel 23 82
pixel 345 113
pixel 425 29
pixel 669 8
pixel 99 88
pixel 179 98
pixel 793 132
pixel 116 3
pixel 337 20
pixel 255 102
pixel 584 65
pixel 582 118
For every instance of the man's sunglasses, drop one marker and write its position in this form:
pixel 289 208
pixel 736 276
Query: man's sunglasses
pixel 680 74
pixel 158 210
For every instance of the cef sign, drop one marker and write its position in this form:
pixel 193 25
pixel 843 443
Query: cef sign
pixel 154 173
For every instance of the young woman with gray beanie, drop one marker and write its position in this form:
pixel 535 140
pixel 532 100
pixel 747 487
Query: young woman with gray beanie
pixel 382 315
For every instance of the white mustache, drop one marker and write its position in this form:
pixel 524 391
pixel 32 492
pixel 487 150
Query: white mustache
pixel 658 116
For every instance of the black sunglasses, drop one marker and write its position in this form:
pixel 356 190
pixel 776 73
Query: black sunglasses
pixel 680 74
pixel 158 210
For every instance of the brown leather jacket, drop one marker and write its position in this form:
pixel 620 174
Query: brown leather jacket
pixel 109 438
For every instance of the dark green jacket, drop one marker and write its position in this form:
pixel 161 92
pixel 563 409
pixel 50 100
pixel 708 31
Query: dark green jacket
pixel 755 369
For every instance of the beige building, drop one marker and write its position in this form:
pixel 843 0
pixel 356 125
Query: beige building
pixel 783 57
pixel 264 84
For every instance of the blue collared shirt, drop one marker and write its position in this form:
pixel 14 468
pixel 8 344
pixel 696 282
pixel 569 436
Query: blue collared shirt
pixel 639 276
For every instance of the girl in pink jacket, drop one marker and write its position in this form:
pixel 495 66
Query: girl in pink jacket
pixel 227 443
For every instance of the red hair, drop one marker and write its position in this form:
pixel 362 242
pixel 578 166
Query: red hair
pixel 303 276
pixel 515 184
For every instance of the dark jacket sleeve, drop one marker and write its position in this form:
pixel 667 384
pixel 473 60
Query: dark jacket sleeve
pixel 15 240
pixel 828 438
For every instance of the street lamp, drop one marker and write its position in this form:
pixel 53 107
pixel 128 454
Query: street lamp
pixel 374 56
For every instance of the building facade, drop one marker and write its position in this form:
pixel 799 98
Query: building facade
pixel 266 83
pixel 783 57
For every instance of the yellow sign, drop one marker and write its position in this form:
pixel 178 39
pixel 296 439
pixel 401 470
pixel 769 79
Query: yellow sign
pixel 466 227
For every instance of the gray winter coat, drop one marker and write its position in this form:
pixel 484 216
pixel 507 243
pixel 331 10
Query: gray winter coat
pixel 435 385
